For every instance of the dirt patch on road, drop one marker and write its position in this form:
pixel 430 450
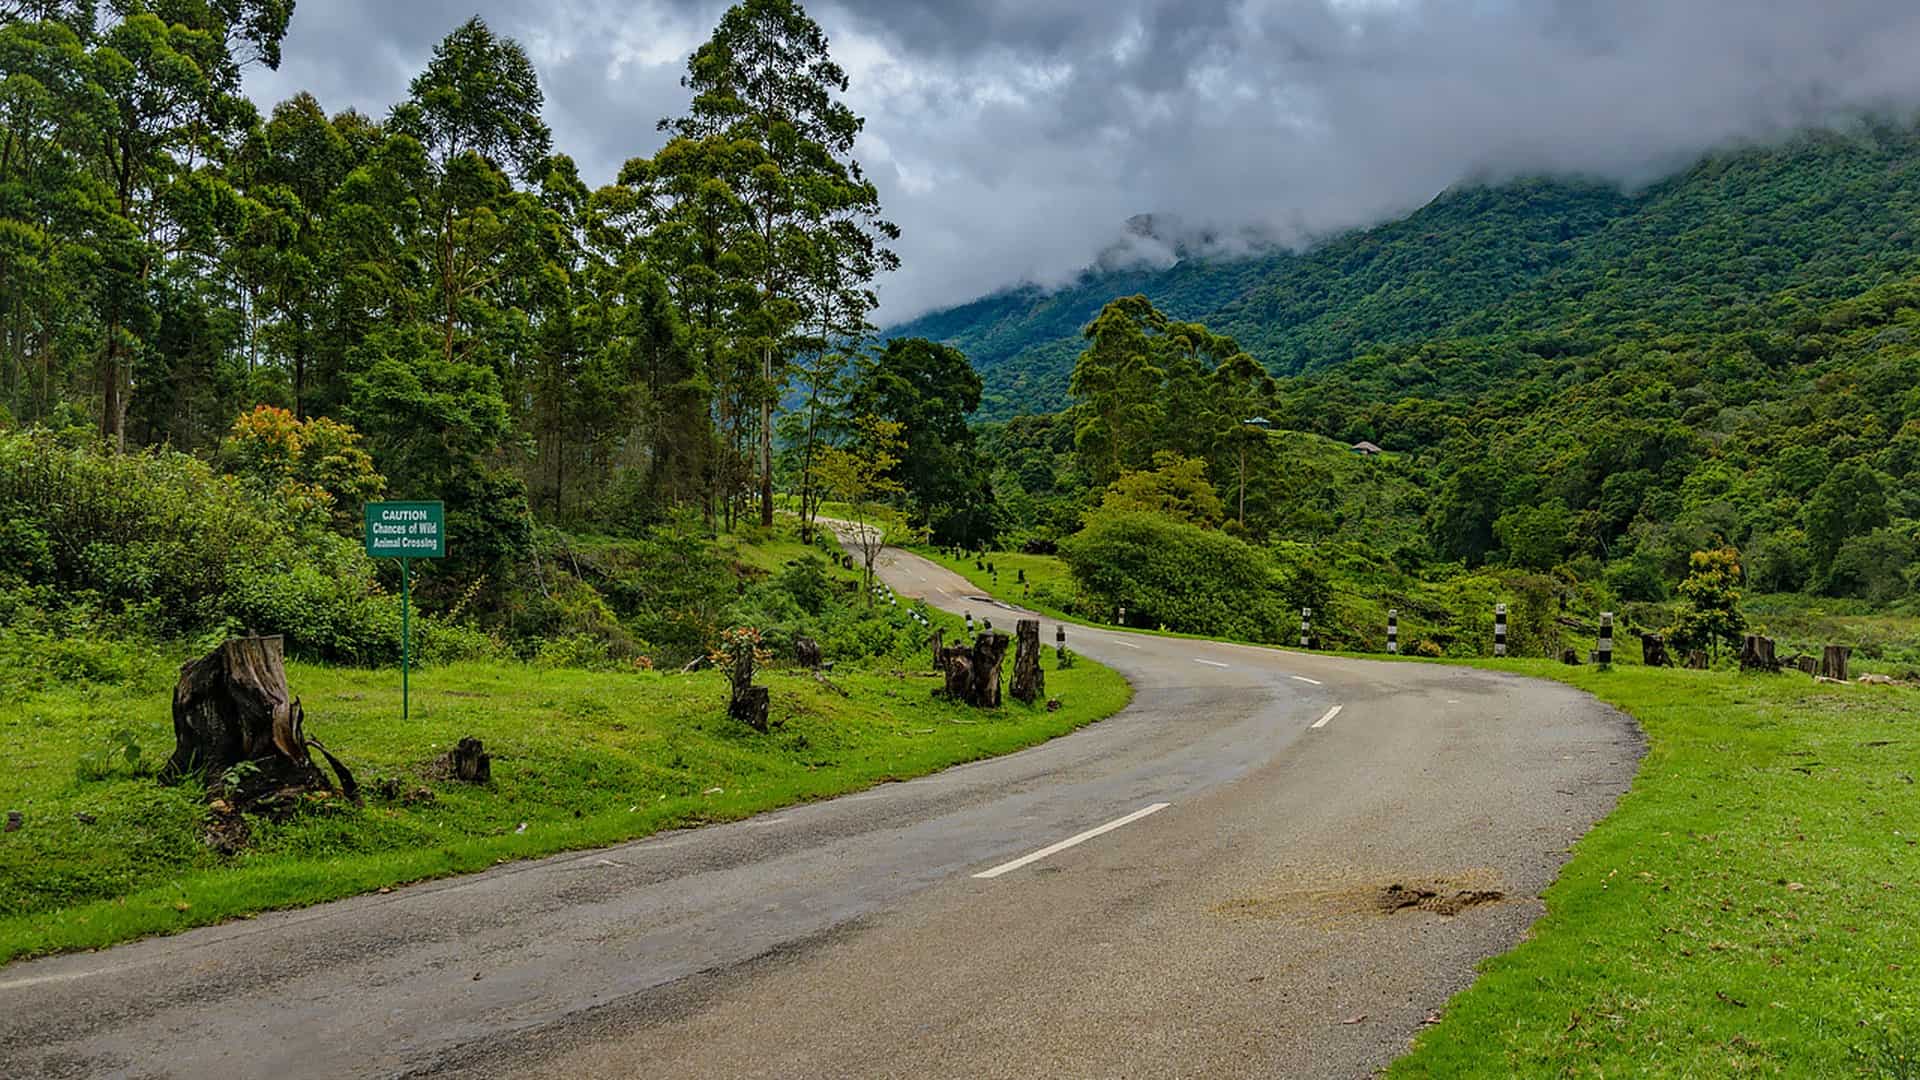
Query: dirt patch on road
pixel 1447 895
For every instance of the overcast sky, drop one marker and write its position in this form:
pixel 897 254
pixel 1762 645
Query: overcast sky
pixel 1011 139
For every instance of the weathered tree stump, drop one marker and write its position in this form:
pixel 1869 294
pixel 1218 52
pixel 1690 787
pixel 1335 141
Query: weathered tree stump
pixel 1697 660
pixel 1805 664
pixel 939 642
pixel 1653 650
pixel 1570 657
pixel 1029 681
pixel 973 674
pixel 749 704
pixel 233 705
pixel 1756 654
pixel 468 762
pixel 1833 661
pixel 807 652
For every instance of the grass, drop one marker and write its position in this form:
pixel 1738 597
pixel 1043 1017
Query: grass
pixel 1751 907
pixel 1047 580
pixel 582 758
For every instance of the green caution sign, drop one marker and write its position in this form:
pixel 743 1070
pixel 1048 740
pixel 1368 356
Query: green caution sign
pixel 406 530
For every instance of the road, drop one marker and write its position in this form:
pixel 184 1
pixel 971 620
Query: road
pixel 1270 864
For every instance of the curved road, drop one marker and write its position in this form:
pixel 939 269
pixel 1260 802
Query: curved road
pixel 1285 864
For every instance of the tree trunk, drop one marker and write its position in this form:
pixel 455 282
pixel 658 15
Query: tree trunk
pixel 1029 681
pixel 766 442
pixel 1756 654
pixel 939 641
pixel 1653 650
pixel 1833 661
pixel 231 706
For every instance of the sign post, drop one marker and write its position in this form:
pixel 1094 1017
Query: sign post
pixel 406 531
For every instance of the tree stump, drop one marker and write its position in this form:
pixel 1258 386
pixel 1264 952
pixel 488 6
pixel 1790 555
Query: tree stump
pixel 1653 650
pixel 468 762
pixel 1029 681
pixel 231 706
pixel 973 674
pixel 807 652
pixel 1833 661
pixel 1570 657
pixel 749 704
pixel 939 642
pixel 1697 660
pixel 1756 654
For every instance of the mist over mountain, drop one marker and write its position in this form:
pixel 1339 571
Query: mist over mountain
pixel 1821 214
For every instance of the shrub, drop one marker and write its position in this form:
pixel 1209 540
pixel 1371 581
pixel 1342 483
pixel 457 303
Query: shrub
pixel 1175 575
pixel 162 535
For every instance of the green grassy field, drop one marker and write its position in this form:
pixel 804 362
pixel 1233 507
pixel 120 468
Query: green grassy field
pixel 581 758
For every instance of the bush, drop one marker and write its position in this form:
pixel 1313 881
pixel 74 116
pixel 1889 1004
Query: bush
pixel 162 535
pixel 1172 574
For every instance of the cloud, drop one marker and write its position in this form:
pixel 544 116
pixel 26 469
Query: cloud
pixel 1013 139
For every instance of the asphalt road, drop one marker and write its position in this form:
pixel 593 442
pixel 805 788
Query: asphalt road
pixel 1262 886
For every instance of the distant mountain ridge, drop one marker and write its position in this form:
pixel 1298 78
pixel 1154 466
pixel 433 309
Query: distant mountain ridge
pixel 1823 216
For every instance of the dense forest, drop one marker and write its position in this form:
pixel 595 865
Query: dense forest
pixel 287 313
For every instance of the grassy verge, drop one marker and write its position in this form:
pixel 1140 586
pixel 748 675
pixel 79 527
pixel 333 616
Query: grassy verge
pixel 581 758
pixel 1751 907
pixel 1045 590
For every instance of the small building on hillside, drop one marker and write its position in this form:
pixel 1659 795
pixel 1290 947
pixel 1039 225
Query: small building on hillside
pixel 1366 449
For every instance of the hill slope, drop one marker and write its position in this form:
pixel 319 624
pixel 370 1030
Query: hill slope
pixel 1824 216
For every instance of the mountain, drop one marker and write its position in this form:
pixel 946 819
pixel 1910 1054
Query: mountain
pixel 1818 218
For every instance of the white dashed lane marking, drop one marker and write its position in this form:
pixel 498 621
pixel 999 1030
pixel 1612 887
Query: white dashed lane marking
pixel 1070 841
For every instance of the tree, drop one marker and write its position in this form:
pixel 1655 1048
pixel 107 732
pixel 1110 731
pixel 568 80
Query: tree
pixel 1176 488
pixel 476 112
pixel 766 83
pixel 1851 502
pixel 1535 537
pixel 170 75
pixel 1710 597
pixel 860 475
pixel 1241 390
pixel 929 389
pixel 1116 386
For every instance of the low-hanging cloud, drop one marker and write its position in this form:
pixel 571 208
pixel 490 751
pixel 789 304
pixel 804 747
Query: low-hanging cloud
pixel 1014 139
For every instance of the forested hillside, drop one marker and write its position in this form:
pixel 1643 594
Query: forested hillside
pixel 1821 217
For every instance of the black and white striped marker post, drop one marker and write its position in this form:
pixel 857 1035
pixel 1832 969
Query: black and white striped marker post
pixel 1306 626
pixel 1605 646
pixel 1499 629
pixel 969 622
pixel 1123 616
pixel 1393 631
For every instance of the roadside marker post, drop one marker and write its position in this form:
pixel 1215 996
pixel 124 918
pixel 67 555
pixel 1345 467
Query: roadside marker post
pixel 406 531
pixel 1499 629
pixel 1306 626
pixel 1393 631
pixel 1605 644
